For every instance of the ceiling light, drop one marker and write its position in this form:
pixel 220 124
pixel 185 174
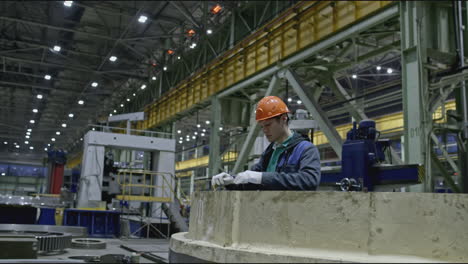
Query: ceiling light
pixel 180 141
pixel 28 133
pixel 57 133
pixel 48 145
pixel 29 130
pixel 194 137
pixel 26 136
pixel 115 111
pixel 153 78
pixel 187 139
pixel 39 96
pixel 34 110
pixel 196 133
pixel 165 68
pixel 378 68
pixel 178 131
pixel 209 31
pixel 112 58
pixel 81 139
pixel 47 77
pixel 202 134
pixel 389 70
pixel 17 146
pixel 57 48
pixel 26 142
pixel 71 115
pixel 354 76
pixel 31 147
pixel 45 149
pixel 134 94
pixel 178 57
pixel 64 125
pixel 142 19
pixel 128 99
pixel 121 105
pixel 110 114
pixel 204 130
pixel 80 102
pixel 198 125
pixel 289 99
pixel 94 84
pixel 32 121
pixel 67 3
pixel 143 86
pixel 299 102
pixel 53 139
pixel 193 45
pixel 6 143
pixel 207 122
pixel 220 128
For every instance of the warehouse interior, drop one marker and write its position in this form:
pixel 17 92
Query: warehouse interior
pixel 117 116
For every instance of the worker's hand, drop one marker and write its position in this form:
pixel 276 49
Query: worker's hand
pixel 222 179
pixel 248 177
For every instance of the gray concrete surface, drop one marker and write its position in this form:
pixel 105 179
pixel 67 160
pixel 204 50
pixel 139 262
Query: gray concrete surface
pixel 326 226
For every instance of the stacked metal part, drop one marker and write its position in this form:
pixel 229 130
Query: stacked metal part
pixel 50 239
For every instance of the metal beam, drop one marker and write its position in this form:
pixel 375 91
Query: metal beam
pixel 253 131
pixel 316 111
pixel 185 13
pixel 301 56
pixel 38 24
pixel 445 153
pixel 215 157
pixel 414 82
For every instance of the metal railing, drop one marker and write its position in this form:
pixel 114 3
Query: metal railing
pixel 134 132
pixel 147 186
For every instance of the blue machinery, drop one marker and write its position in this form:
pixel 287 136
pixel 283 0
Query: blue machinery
pixel 361 166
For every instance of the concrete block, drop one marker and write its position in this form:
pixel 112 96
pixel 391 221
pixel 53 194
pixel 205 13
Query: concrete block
pixel 419 224
pixel 320 220
pixel 286 226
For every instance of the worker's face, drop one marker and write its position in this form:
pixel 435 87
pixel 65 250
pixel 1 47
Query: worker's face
pixel 273 128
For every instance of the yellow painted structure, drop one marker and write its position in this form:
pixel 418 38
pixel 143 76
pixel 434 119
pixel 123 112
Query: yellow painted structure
pixel 150 182
pixel 387 124
pixel 297 28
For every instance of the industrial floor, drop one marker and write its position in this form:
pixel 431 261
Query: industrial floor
pixel 159 248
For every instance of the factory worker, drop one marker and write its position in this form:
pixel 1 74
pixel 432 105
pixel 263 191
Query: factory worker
pixel 290 162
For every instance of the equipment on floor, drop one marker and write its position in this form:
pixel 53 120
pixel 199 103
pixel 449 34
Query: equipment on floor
pixel 56 160
pixel 49 239
pixel 362 167
pixel 88 243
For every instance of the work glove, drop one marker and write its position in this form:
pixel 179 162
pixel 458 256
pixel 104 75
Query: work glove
pixel 222 179
pixel 248 177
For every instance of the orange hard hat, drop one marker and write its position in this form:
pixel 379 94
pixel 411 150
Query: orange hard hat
pixel 270 106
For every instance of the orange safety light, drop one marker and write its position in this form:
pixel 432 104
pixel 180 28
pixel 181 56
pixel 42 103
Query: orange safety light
pixel 190 32
pixel 170 52
pixel 216 9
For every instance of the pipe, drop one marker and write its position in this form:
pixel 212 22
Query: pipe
pixel 461 54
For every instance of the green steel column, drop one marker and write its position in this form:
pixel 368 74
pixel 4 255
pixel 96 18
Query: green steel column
pixel 215 159
pixel 414 82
